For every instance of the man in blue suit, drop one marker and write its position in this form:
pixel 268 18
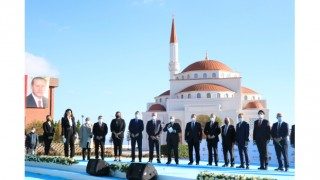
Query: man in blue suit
pixel 154 129
pixel 136 127
pixel 280 133
pixel 242 140
pixel 193 136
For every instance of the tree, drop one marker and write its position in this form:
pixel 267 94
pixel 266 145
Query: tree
pixel 78 126
pixel 58 132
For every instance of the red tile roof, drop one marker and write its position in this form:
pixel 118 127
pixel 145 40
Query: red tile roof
pixel 207 65
pixel 205 87
pixel 253 105
pixel 157 107
pixel 248 91
pixel 167 93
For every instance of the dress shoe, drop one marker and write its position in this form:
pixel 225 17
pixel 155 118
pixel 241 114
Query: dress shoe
pixel 210 164
pixel 261 168
pixel 279 169
pixel 139 160
pixel 115 160
pixel 266 168
pixel 247 167
pixel 177 162
pixel 132 161
pixel 158 161
pixel 216 164
pixel 190 163
pixel 150 161
pixel 168 162
pixel 225 165
pixel 287 169
pixel 197 163
pixel 232 165
pixel 241 166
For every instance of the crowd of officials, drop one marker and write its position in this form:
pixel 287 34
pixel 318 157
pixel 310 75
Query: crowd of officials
pixel 90 134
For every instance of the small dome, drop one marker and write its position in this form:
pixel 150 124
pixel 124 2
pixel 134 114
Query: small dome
pixel 205 87
pixel 167 93
pixel 253 105
pixel 207 65
pixel 248 91
pixel 157 107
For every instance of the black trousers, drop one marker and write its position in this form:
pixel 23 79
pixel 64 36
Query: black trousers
pixel 263 153
pixel 228 148
pixel 47 145
pixel 152 144
pixel 135 141
pixel 282 149
pixel 117 143
pixel 98 143
pixel 173 145
pixel 196 145
pixel 243 150
pixel 84 152
pixel 69 143
pixel 213 145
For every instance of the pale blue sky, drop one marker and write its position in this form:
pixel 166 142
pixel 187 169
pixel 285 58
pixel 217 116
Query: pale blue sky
pixel 114 55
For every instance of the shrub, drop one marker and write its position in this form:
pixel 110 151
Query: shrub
pixel 182 149
pixel 204 175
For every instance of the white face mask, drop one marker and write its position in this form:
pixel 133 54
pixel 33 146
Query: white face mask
pixel 240 119
pixel 193 119
pixel 261 116
pixel 154 117
pixel 100 121
pixel 137 116
pixel 212 119
pixel 88 122
pixel 172 120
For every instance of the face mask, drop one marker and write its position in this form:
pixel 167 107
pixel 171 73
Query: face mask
pixel 240 119
pixel 172 120
pixel 154 117
pixel 193 119
pixel 88 122
pixel 261 116
pixel 33 131
pixel 137 116
pixel 279 119
pixel 212 119
pixel 100 121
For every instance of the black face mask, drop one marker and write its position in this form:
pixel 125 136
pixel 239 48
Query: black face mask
pixel 118 116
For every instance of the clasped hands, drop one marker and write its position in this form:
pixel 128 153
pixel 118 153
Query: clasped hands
pixel 277 140
pixel 210 136
pixel 155 137
pixel 117 134
pixel 134 135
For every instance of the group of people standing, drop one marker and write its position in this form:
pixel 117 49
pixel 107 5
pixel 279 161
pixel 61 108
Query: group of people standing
pixel 239 135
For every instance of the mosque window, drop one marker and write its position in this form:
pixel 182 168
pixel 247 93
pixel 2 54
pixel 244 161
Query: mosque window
pixel 227 96
pixel 181 96
pixel 204 75
pixel 182 77
pixel 189 96
pixel 198 95
pixel 188 76
pixel 258 98
pixel 208 95
pixel 177 78
pixel 195 76
pixel 214 75
pixel 228 75
pixel 245 97
pixel 218 95
pixel 253 98
pixel 160 99
pixel 222 75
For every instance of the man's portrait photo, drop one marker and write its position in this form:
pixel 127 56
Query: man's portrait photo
pixel 37 93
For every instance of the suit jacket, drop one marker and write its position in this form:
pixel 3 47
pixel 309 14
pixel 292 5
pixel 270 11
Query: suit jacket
pixel 117 126
pixel 173 136
pixel 262 133
pixel 214 130
pixel 31 103
pixel 292 135
pixel 154 130
pixel 194 134
pixel 100 131
pixel 135 128
pixel 230 137
pixel 47 129
pixel 65 126
pixel 282 132
pixel 242 133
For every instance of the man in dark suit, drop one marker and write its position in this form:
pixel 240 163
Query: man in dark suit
pixel 173 129
pixel 280 133
pixel 242 140
pixel 193 136
pixel 292 136
pixel 212 130
pixel 68 125
pixel 135 128
pixel 228 139
pixel 154 129
pixel 36 98
pixel 100 130
pixel 48 132
pixel 117 127
pixel 261 137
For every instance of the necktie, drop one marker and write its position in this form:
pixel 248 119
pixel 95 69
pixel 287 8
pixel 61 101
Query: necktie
pixel 225 130
pixel 192 125
pixel 211 124
pixel 260 122
pixel 279 125
pixel 240 124
pixel 39 104
pixel 136 121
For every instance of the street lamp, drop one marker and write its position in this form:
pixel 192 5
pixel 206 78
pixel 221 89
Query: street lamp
pixel 82 118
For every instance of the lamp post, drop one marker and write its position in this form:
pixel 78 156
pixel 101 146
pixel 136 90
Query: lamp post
pixel 82 118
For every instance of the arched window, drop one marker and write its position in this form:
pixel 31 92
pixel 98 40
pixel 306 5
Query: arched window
pixel 177 97
pixel 228 75
pixel 189 96
pixel 195 76
pixel 204 75
pixel 177 78
pixel 222 75
pixel 214 75
pixel 218 95
pixel 208 95
pixel 245 97
pixel 160 99
pixel 182 77
pixel 253 98
pixel 188 76
pixel 227 96
pixel 258 98
pixel 198 95
pixel 181 96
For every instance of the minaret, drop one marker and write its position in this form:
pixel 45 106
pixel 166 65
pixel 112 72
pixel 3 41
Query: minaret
pixel 174 66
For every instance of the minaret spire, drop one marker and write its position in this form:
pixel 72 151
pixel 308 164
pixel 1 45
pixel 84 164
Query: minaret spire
pixel 207 58
pixel 174 66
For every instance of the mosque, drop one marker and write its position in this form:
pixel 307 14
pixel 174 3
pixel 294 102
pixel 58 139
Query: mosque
pixel 204 87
